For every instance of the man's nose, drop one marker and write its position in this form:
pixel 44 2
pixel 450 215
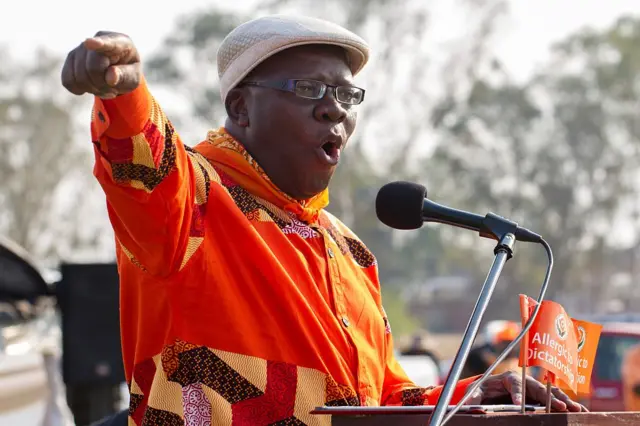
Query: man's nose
pixel 329 109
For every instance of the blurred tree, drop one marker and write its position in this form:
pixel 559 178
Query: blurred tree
pixel 401 321
pixel 559 154
pixel 41 176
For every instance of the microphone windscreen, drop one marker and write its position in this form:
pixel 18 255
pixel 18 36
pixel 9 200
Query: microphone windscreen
pixel 399 205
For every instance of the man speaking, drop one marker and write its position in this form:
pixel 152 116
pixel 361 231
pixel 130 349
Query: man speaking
pixel 243 301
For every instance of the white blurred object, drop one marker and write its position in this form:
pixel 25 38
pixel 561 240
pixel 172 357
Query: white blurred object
pixel 125 397
pixel 30 370
pixel 47 340
pixel 423 370
pixel 492 329
pixel 57 412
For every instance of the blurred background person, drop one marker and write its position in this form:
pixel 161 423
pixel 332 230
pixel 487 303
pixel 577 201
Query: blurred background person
pixel 486 352
pixel 631 379
pixel 421 344
pixel 420 359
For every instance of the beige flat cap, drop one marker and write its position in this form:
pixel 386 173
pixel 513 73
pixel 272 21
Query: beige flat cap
pixel 251 43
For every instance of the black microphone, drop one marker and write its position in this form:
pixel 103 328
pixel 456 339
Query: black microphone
pixel 404 205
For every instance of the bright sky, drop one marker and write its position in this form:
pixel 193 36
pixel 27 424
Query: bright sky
pixel 60 25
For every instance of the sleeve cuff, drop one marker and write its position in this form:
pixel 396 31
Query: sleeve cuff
pixel 124 116
pixel 458 393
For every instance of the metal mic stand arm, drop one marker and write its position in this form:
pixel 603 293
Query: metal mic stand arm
pixel 504 231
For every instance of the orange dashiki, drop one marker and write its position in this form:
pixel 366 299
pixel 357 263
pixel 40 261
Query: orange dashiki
pixel 239 305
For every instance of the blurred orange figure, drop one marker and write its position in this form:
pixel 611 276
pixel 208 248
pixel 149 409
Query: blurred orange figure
pixel 631 379
pixel 508 333
pixel 500 341
pixel 483 355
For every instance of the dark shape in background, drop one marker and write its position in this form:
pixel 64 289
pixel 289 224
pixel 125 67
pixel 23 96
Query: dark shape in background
pixel 92 367
pixel 19 278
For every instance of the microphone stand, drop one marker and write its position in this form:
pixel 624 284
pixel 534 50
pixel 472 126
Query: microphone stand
pixel 502 230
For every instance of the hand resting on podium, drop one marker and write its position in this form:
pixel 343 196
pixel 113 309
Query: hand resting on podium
pixel 506 388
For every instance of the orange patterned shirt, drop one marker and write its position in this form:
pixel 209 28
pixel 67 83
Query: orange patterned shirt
pixel 239 305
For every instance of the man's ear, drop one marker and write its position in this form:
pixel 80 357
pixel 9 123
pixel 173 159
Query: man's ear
pixel 237 108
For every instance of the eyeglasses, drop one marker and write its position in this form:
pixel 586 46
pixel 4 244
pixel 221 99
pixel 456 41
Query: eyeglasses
pixel 313 89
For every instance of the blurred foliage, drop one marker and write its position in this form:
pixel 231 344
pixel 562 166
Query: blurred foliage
pixel 401 321
pixel 558 153
pixel 38 156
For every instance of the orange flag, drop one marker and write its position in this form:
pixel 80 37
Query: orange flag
pixel 552 344
pixel 588 335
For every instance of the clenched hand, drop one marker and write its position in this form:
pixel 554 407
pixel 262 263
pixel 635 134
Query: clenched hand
pixel 105 65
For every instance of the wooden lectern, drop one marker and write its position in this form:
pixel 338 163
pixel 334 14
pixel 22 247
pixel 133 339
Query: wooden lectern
pixel 397 417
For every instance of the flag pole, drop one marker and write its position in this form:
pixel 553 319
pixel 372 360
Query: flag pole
pixel 524 349
pixel 548 392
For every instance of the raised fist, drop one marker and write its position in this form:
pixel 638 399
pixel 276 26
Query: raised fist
pixel 106 65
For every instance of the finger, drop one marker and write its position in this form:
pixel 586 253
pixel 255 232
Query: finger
pixel 106 43
pixel 68 75
pixel 558 405
pixel 514 386
pixel 96 66
pixel 118 47
pixel 123 78
pixel 561 396
pixel 541 396
pixel 82 79
pixel 475 398
pixel 538 392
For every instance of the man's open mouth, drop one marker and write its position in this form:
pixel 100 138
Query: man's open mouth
pixel 330 152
